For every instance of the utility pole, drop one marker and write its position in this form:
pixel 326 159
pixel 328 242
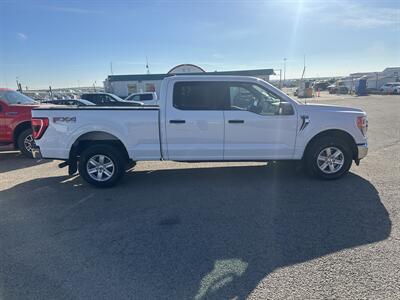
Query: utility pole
pixel 147 66
pixel 280 78
pixel 18 85
pixel 304 67
pixel 284 70
pixel 111 68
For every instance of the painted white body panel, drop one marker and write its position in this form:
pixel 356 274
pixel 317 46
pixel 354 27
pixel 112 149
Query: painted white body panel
pixel 199 138
pixel 259 137
pixel 205 135
pixel 136 129
pixel 327 117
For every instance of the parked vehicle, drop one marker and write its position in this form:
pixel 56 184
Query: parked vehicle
pixel 77 102
pixel 107 99
pixel 15 120
pixel 203 118
pixel 338 89
pixel 391 88
pixel 145 98
pixel 321 85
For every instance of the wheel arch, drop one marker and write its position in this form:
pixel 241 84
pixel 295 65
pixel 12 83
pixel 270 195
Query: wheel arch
pixel 20 128
pixel 96 137
pixel 338 133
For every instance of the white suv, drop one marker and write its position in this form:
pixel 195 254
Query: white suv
pixel 391 88
pixel 149 98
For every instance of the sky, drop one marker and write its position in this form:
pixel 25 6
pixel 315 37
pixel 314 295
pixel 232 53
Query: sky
pixel 72 43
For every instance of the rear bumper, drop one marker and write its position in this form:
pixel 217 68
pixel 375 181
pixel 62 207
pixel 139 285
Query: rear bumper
pixel 362 150
pixel 36 152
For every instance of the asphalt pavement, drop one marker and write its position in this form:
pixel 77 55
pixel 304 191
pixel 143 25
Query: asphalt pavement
pixel 207 230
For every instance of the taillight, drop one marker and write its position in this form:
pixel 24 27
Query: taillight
pixel 362 124
pixel 39 126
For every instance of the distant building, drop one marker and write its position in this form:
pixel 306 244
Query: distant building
pixel 376 79
pixel 124 85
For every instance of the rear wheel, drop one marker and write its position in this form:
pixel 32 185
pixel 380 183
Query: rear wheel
pixel 329 158
pixel 26 142
pixel 101 165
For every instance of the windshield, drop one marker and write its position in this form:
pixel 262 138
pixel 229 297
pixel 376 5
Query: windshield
pixel 115 97
pixel 13 97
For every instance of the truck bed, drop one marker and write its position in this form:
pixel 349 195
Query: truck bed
pixel 137 127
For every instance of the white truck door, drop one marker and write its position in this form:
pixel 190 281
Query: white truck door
pixel 194 122
pixel 257 125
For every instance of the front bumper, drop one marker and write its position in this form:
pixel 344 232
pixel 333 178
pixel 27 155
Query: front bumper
pixel 362 150
pixel 36 152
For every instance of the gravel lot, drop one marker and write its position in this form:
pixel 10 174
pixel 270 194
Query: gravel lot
pixel 207 231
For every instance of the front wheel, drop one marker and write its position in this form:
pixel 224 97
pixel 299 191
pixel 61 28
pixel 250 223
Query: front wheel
pixel 329 158
pixel 25 142
pixel 101 165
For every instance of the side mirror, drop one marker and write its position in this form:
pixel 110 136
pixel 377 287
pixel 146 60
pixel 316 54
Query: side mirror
pixel 285 109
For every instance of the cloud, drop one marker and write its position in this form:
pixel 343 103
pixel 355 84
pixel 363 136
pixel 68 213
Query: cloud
pixel 356 15
pixel 368 17
pixel 22 36
pixel 70 9
pixel 217 55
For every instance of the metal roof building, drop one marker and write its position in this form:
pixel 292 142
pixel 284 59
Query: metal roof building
pixel 124 85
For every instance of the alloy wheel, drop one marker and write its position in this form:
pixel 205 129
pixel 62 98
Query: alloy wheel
pixel 29 142
pixel 330 160
pixel 100 167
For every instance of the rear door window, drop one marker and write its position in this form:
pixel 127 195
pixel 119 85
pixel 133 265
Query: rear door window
pixel 200 95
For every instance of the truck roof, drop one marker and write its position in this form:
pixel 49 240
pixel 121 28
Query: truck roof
pixel 215 77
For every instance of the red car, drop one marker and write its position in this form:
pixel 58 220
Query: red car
pixel 15 120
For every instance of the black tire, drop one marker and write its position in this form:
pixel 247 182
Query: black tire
pixel 23 144
pixel 315 149
pixel 110 153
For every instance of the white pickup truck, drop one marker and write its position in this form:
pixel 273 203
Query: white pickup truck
pixel 202 118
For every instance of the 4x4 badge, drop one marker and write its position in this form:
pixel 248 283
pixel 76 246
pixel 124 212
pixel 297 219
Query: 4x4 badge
pixel 64 120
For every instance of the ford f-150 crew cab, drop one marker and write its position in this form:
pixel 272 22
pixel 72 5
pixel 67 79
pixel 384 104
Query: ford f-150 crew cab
pixel 202 118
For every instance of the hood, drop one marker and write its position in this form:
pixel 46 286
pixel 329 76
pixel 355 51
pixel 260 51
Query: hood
pixel 331 108
pixel 25 106
pixel 29 107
